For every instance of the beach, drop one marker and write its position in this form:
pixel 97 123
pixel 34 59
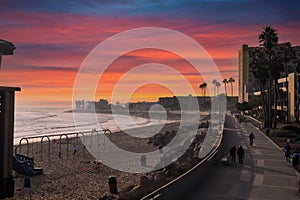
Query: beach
pixel 76 177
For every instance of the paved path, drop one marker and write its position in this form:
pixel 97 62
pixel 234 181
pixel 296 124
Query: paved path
pixel 264 175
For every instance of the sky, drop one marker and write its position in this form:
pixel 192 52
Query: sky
pixel 53 38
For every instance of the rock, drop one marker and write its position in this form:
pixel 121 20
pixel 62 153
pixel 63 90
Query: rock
pixel 145 181
pixel 183 167
pixel 105 197
pixel 160 176
pixel 128 189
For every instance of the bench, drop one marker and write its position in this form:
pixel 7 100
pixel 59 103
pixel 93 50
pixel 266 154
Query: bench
pixel 25 158
pixel 30 161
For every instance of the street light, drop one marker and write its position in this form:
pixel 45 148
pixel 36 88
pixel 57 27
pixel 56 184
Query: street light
pixel 6 48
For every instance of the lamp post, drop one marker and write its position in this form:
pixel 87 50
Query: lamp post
pixel 6 48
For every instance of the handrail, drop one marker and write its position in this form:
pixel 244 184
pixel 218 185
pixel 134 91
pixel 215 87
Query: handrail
pixel 42 147
pixel 60 144
pixel 75 134
pixel 20 145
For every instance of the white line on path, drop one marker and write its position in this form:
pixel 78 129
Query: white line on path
pixel 258 180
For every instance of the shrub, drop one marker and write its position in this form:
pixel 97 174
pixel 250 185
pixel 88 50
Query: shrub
pixel 291 128
pixel 284 133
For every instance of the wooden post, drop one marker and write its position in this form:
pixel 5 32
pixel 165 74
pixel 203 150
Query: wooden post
pixel 7 104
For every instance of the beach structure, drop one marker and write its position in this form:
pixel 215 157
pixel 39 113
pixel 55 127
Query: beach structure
pixel 7 104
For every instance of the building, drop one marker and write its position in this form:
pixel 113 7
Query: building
pixel 102 104
pixel 204 102
pixel 90 105
pixel 248 86
pixel 247 83
pixel 290 84
pixel 137 106
pixel 80 105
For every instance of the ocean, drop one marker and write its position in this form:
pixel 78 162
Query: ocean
pixel 45 121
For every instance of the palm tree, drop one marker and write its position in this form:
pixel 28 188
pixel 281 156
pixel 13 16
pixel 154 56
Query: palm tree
pixel 218 84
pixel 201 86
pixel 268 39
pixel 225 83
pixel 260 72
pixel 214 82
pixel 204 88
pixel 231 80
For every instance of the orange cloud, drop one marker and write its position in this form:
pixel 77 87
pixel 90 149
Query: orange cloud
pixel 49 52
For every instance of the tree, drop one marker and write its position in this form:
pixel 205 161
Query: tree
pixel 204 88
pixel 243 106
pixel 214 82
pixel 225 83
pixel 268 39
pixel 260 72
pixel 218 84
pixel 231 80
pixel 287 55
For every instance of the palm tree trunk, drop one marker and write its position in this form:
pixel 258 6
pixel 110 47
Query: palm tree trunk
pixel 264 104
pixel 214 90
pixel 287 98
pixel 270 105
pixel 275 102
pixel 297 96
pixel 231 89
pixel 280 100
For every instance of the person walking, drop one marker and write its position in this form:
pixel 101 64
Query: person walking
pixel 233 153
pixel 287 152
pixel 241 154
pixel 251 138
pixel 75 149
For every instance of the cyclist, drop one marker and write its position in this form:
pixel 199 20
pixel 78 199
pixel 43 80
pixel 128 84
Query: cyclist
pixel 251 138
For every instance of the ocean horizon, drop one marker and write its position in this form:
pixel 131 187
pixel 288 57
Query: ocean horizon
pixel 47 121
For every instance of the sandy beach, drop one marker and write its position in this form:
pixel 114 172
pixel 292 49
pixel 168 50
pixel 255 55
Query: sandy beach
pixel 75 177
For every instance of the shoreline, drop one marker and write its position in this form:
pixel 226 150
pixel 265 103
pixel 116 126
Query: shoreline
pixel 74 177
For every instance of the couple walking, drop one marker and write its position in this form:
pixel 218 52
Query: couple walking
pixel 240 152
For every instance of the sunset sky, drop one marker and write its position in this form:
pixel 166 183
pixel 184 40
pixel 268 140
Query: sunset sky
pixel 53 38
